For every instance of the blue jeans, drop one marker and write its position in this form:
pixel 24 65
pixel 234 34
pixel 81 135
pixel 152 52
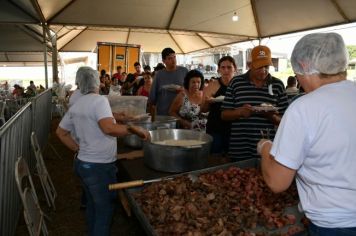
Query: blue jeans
pixel 315 230
pixel 95 179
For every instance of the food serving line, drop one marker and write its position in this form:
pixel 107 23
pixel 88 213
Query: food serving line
pixel 133 166
pixel 175 168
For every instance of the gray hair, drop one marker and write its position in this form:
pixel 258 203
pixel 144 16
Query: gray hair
pixel 87 79
pixel 320 53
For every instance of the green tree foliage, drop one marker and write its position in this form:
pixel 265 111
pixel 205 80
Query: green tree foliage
pixel 352 51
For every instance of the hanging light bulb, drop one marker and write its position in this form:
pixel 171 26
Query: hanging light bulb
pixel 235 17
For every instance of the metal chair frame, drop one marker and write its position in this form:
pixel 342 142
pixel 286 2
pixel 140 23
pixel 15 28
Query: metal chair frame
pixel 33 214
pixel 41 169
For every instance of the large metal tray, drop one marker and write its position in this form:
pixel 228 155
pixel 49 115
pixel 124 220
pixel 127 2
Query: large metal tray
pixel 241 164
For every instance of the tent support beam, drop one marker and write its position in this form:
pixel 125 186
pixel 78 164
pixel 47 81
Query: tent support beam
pixel 137 29
pixel 37 7
pixel 73 38
pixel 172 15
pixel 175 42
pixel 254 10
pixel 53 41
pixel 23 10
pixel 338 8
pixel 128 36
pixel 60 11
pixel 54 59
pixel 45 55
pixel 205 41
pixel 6 56
pixel 58 38
pixel 31 34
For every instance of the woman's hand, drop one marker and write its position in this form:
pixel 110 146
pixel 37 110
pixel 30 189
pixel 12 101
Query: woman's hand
pixel 121 117
pixel 142 133
pixel 208 100
pixel 179 90
pixel 185 124
pixel 261 144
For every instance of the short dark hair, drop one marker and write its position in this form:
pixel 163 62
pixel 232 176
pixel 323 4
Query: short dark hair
pixel 159 66
pixel 137 64
pixel 147 67
pixel 166 52
pixel 191 74
pixel 118 67
pixel 291 81
pixel 227 58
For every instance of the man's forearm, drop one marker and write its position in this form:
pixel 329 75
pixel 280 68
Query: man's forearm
pixel 231 114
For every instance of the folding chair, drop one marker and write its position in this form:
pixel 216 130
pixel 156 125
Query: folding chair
pixel 46 181
pixel 34 216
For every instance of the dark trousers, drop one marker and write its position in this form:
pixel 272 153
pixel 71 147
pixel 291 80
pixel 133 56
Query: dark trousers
pixel 315 230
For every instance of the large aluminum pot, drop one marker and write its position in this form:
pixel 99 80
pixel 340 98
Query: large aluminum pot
pixel 161 122
pixel 176 158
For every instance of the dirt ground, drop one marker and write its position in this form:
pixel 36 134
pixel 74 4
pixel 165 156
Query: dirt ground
pixel 68 219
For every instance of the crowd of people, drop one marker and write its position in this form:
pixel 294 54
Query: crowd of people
pixel 248 115
pixel 19 91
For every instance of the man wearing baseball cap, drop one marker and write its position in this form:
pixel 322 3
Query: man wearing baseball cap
pixel 244 98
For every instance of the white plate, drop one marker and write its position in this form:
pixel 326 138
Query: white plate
pixel 218 99
pixel 171 87
pixel 265 108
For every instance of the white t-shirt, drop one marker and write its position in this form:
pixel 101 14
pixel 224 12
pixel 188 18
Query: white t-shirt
pixel 83 117
pixel 74 97
pixel 317 137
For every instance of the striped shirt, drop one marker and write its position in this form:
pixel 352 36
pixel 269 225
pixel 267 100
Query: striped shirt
pixel 246 132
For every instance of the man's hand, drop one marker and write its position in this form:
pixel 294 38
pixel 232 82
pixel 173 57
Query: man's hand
pixel 272 116
pixel 246 111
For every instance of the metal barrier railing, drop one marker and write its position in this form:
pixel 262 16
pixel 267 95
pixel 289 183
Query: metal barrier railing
pixel 15 141
pixel 42 107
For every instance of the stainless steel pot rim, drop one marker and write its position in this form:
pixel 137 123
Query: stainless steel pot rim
pixel 175 135
pixel 161 119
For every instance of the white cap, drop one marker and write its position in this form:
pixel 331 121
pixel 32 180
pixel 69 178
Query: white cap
pixel 320 53
pixel 88 79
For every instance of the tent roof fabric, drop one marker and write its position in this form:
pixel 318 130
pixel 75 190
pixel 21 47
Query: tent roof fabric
pixel 184 25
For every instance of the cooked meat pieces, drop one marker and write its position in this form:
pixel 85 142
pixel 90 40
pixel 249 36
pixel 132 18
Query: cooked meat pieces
pixel 225 202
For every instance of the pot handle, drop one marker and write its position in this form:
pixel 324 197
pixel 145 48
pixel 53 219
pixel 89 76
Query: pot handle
pixel 129 184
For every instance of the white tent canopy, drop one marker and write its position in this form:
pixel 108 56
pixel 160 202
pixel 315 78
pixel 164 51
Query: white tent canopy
pixel 184 25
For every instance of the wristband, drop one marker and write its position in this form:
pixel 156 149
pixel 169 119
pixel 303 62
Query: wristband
pixel 260 146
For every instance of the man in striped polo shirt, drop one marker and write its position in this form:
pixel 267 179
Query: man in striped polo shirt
pixel 246 91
